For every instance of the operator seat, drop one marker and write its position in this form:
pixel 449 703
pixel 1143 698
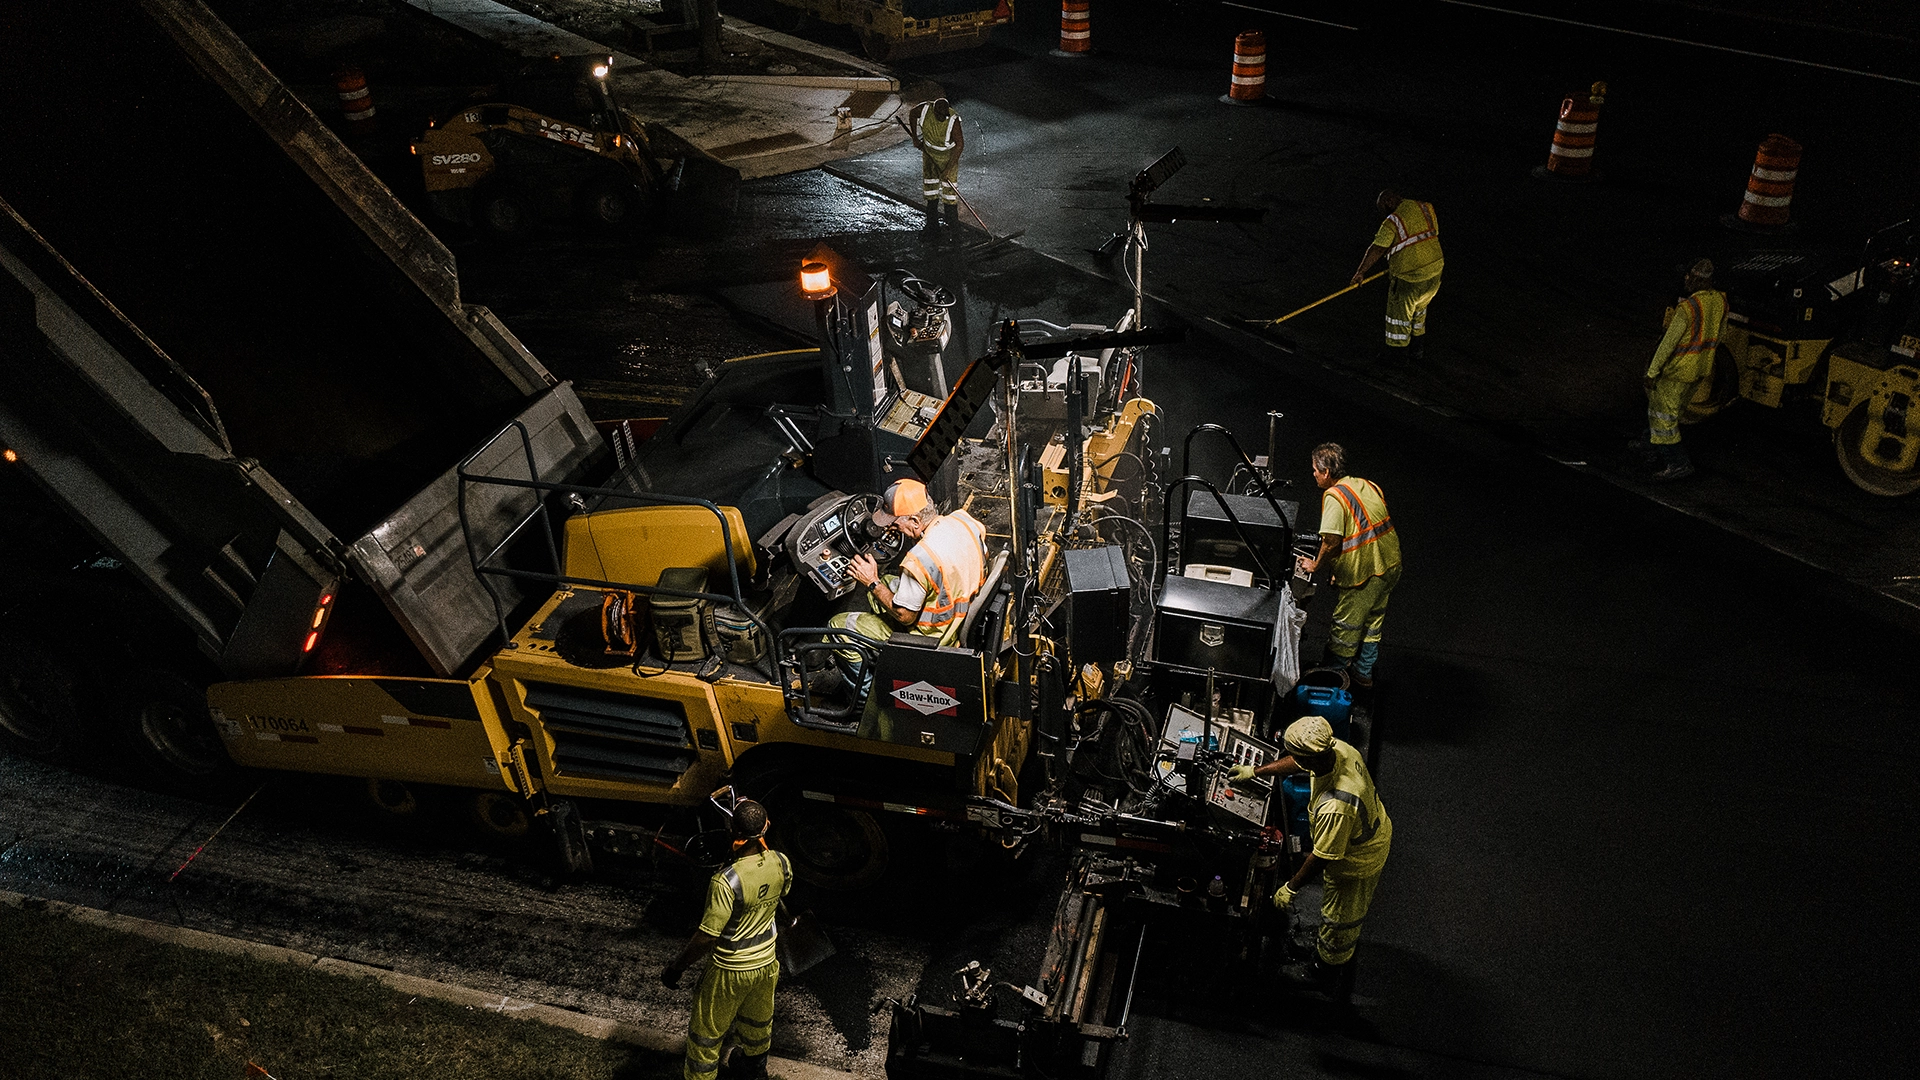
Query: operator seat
pixel 981 600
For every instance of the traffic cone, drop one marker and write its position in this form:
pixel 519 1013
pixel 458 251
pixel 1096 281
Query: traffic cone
pixel 1570 158
pixel 1769 195
pixel 1249 69
pixel 1076 28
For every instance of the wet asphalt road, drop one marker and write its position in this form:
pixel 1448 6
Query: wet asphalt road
pixel 1654 788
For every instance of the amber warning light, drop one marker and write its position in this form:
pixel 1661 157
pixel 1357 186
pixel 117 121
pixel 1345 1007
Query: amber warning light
pixel 319 619
pixel 815 281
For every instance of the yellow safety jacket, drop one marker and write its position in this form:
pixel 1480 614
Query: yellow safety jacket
pixel 1356 510
pixel 1411 235
pixel 1686 351
pixel 742 900
pixel 936 135
pixel 949 562
pixel 1350 826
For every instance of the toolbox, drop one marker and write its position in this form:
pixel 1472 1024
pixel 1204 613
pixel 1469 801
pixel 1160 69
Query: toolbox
pixel 1203 624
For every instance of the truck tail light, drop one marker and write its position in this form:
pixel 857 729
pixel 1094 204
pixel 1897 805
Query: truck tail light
pixel 319 620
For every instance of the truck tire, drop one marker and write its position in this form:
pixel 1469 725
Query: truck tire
pixel 612 206
pixel 38 716
pixel 499 814
pixel 172 734
pixel 502 213
pixel 831 847
pixel 391 799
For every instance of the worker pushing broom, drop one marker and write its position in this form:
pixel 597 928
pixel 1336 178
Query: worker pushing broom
pixel 1409 239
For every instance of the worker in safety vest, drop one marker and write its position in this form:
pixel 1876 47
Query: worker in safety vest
pixel 940 138
pixel 1357 533
pixel 938 578
pixel 1410 240
pixel 1683 360
pixel 1350 837
pixel 734 1000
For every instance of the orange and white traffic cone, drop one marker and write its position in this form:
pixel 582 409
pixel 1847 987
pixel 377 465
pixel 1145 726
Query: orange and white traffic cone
pixel 1570 158
pixel 1765 207
pixel 1249 69
pixel 1076 28
pixel 356 101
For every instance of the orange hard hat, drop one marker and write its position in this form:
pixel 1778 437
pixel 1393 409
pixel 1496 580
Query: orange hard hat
pixel 903 498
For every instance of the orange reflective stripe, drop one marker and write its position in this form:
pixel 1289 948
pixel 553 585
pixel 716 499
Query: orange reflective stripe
pixel 956 546
pixel 1697 339
pixel 1365 530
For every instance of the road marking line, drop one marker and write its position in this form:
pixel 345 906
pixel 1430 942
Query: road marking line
pixel 1285 15
pixel 1684 41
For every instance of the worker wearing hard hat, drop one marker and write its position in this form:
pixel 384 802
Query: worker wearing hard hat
pixel 734 1001
pixel 1357 533
pixel 1350 837
pixel 1680 364
pixel 937 133
pixel 1409 239
pixel 938 578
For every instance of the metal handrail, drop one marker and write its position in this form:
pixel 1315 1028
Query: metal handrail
pixel 1166 524
pixel 1266 486
pixel 557 577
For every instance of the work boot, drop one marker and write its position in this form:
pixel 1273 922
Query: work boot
pixel 741 1067
pixel 933 215
pixel 1673 470
pixel 953 215
pixel 1316 975
pixel 1417 350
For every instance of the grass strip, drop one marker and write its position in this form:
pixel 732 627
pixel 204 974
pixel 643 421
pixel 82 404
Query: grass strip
pixel 80 1002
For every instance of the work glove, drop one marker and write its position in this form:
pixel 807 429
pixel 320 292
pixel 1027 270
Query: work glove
pixel 1283 897
pixel 1241 772
pixel 670 977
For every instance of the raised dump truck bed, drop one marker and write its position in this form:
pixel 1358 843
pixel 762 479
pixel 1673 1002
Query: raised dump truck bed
pixel 233 354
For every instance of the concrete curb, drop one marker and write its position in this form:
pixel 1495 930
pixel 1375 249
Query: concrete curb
pixel 593 1027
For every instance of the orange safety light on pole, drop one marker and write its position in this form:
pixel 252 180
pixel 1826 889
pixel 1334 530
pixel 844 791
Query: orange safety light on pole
pixel 1076 28
pixel 1770 185
pixel 1249 69
pixel 1571 155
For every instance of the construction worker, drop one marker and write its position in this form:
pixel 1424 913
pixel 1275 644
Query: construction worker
pixel 938 134
pixel 1351 835
pixel 938 577
pixel 1683 360
pixel 1357 532
pixel 734 1000
pixel 1410 240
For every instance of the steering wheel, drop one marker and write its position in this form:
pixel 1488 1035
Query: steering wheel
pixel 856 514
pixel 926 293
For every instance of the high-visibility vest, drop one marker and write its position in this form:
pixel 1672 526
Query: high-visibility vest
pixel 749 891
pixel 1369 547
pixel 1705 313
pixel 936 135
pixel 1416 237
pixel 1349 790
pixel 950 561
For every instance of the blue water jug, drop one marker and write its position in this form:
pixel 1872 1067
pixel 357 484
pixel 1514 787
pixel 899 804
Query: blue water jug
pixel 1329 701
pixel 1295 789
